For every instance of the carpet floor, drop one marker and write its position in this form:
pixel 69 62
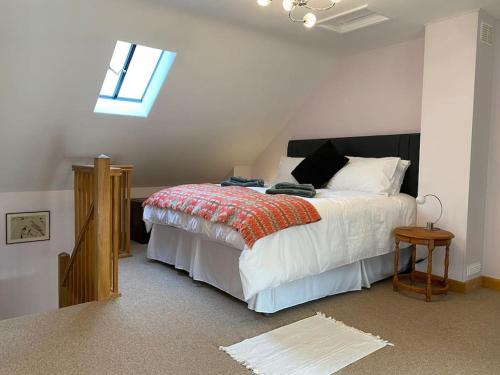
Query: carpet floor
pixel 166 324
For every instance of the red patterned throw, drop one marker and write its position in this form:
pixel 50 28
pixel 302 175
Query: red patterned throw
pixel 253 214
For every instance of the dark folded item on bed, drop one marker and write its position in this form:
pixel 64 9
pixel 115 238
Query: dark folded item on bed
pixel 291 185
pixel 301 190
pixel 245 182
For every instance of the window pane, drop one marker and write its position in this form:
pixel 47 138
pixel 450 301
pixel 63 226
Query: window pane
pixel 115 66
pixel 139 72
pixel 119 56
pixel 109 85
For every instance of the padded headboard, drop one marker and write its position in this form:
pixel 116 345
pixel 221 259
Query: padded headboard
pixel 406 146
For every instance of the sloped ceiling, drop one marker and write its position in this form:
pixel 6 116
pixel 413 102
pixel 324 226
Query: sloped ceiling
pixel 240 73
pixel 229 91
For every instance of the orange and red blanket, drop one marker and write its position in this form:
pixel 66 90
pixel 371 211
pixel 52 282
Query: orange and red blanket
pixel 253 214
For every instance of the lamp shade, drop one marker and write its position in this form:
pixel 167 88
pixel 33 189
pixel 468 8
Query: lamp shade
pixel 421 199
pixel 309 20
pixel 264 3
pixel 288 5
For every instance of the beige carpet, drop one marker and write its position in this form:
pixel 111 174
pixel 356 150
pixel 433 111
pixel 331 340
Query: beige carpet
pixel 166 324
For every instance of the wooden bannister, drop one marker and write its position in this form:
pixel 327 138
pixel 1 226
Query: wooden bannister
pixel 102 195
pixel 125 188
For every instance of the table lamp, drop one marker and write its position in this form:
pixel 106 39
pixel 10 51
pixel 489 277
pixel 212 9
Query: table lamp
pixel 421 199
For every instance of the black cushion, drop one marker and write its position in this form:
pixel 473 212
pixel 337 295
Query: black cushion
pixel 319 167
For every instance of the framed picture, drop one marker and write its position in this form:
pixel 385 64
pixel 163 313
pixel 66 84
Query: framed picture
pixel 27 227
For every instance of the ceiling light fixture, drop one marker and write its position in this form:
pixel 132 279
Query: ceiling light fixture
pixel 264 3
pixel 309 19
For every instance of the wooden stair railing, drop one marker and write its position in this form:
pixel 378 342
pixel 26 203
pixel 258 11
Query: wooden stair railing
pixel 101 233
pixel 85 290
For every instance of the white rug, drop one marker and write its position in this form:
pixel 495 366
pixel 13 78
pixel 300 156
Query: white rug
pixel 314 346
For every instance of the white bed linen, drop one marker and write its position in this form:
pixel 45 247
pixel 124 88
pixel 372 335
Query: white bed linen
pixel 354 226
pixel 217 264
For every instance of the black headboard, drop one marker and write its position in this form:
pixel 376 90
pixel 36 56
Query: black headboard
pixel 406 146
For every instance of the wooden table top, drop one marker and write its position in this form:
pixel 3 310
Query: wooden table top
pixel 423 233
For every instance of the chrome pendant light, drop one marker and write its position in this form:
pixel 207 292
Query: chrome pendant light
pixel 309 19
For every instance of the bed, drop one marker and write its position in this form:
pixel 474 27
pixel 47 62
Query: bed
pixel 350 248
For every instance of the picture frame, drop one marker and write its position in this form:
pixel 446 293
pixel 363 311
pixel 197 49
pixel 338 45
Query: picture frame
pixel 22 227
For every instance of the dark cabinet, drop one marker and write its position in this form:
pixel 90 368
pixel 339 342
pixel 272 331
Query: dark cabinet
pixel 137 227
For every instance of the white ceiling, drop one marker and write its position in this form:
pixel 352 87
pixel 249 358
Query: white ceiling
pixel 408 18
pixel 241 72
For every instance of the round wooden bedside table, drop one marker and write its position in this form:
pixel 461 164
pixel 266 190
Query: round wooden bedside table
pixel 431 239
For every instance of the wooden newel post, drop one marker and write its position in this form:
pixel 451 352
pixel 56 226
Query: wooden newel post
pixel 103 245
pixel 63 260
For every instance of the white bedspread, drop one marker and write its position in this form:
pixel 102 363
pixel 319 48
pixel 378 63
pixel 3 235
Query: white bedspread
pixel 354 226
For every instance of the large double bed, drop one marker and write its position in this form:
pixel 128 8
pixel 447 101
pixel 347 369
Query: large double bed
pixel 348 249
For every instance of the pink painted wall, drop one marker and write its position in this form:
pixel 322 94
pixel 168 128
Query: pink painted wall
pixel 447 129
pixel 371 93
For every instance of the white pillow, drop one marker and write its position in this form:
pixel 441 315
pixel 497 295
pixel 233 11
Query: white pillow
pixel 285 168
pixel 371 175
pixel 399 176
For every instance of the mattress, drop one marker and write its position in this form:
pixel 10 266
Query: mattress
pixel 354 226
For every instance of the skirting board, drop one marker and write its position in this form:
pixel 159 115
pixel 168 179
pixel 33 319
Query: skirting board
pixel 491 283
pixel 463 286
pixel 466 286
pixel 470 285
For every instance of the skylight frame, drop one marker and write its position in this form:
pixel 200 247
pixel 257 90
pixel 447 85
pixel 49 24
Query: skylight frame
pixel 117 105
pixel 123 74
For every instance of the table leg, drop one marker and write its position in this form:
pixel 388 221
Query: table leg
pixel 395 280
pixel 446 266
pixel 413 261
pixel 428 294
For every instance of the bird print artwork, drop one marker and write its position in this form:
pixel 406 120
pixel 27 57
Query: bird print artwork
pixel 28 227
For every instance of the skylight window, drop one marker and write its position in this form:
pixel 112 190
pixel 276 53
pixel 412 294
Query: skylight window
pixel 133 80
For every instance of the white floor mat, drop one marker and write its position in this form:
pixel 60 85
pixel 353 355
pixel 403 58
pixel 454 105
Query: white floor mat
pixel 314 346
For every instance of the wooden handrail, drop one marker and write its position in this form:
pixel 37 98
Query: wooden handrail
pixel 79 240
pixel 102 230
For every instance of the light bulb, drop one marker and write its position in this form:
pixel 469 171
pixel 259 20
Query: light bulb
pixel 309 20
pixel 420 199
pixel 288 5
pixel 264 3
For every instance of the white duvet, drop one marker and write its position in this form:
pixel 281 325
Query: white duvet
pixel 353 226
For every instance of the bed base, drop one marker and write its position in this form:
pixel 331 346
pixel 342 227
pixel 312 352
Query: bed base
pixel 217 264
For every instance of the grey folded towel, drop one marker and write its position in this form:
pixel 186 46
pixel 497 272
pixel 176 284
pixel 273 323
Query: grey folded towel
pixel 298 192
pixel 291 185
pixel 245 182
pixel 301 190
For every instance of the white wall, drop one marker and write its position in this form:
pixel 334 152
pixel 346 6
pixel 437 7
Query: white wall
pixel 28 271
pixel 455 129
pixel 491 256
pixel 479 152
pixel 447 114
pixel 144 192
pixel 370 93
